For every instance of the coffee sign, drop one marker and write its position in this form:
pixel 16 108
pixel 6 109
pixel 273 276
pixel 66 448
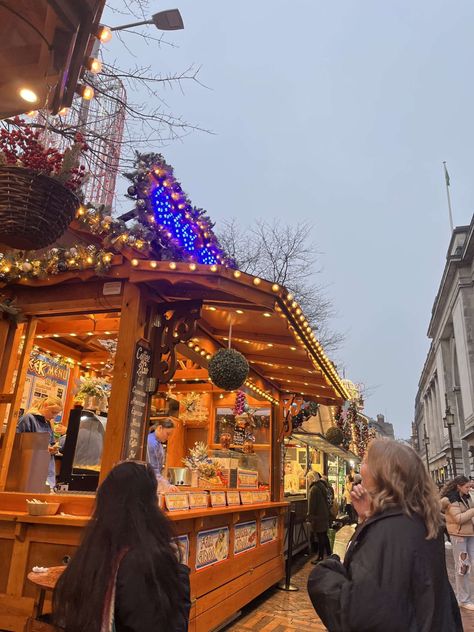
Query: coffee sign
pixel 138 402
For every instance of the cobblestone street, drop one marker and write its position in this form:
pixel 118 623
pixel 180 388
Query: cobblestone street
pixel 279 611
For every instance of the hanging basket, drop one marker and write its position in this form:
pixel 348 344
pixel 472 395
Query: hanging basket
pixel 35 210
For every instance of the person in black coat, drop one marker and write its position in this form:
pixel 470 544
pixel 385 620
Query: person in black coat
pixel 126 575
pixel 319 514
pixel 394 576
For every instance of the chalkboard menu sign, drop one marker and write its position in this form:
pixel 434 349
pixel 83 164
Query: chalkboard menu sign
pixel 138 402
pixel 239 435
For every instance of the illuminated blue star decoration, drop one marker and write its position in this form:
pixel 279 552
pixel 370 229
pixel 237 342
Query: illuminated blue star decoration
pixel 182 231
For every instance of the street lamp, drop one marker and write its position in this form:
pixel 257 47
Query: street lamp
pixel 448 421
pixel 169 20
pixel 426 441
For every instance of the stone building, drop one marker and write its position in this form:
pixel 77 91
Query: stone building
pixel 381 427
pixel 443 428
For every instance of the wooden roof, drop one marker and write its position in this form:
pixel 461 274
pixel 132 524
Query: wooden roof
pixel 262 319
pixel 43 45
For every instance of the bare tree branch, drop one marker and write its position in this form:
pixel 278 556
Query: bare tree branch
pixel 284 254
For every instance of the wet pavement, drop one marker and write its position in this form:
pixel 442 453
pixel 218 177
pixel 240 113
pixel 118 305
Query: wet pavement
pixel 279 611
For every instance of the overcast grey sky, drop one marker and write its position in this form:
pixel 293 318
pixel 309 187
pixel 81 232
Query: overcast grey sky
pixel 341 113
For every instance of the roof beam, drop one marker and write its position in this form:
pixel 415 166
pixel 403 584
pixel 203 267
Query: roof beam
pixel 96 327
pixel 285 341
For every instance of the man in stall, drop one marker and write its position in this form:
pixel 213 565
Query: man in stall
pixel 159 434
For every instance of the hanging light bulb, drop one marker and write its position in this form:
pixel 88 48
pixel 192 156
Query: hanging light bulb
pixel 86 92
pixel 94 65
pixel 104 34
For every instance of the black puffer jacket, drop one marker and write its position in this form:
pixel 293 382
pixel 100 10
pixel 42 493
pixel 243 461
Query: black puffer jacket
pixel 393 580
pixel 318 507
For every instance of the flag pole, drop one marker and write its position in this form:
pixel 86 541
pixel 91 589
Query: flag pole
pixel 446 177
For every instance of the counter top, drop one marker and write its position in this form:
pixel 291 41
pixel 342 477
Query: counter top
pixel 218 511
pixel 81 521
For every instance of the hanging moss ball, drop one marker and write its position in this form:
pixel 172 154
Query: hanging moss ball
pixel 228 369
pixel 334 435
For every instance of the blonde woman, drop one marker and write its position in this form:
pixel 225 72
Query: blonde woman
pixel 394 576
pixel 38 419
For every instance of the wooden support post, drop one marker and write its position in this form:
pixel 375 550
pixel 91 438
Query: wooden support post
pixel 132 328
pixel 7 336
pixel 16 403
pixel 73 378
pixel 276 454
pixel 10 359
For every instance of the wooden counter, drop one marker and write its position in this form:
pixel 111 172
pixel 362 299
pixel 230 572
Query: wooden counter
pixel 218 588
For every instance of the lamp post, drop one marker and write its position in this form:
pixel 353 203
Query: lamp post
pixel 448 421
pixel 426 441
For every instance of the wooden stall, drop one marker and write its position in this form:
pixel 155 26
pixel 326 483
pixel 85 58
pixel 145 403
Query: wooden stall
pixel 203 306
pixel 121 334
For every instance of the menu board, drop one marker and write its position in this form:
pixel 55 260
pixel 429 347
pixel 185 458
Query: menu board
pixel 46 377
pixel 268 529
pixel 239 435
pixel 138 402
pixel 212 546
pixel 245 537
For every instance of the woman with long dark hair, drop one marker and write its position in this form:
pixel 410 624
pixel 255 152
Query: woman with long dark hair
pixel 459 513
pixel 125 575
pixel 394 575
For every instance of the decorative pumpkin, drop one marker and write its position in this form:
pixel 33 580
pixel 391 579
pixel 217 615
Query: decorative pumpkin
pixel 228 369
pixel 335 435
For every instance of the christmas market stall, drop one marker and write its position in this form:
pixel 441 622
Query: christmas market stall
pixel 125 322
pixel 316 443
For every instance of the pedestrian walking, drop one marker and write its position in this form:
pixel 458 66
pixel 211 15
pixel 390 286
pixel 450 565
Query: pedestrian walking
pixel 349 509
pixel 319 513
pixel 459 514
pixel 125 576
pixel 394 575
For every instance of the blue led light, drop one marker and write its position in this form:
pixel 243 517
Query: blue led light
pixel 185 232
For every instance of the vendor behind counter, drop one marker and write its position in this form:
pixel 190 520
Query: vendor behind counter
pixel 39 419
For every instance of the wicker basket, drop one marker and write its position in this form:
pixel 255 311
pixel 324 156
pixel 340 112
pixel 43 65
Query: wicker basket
pixel 35 210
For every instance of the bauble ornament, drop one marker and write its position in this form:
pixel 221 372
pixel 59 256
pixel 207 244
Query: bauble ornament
pixel 228 369
pixel 334 435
